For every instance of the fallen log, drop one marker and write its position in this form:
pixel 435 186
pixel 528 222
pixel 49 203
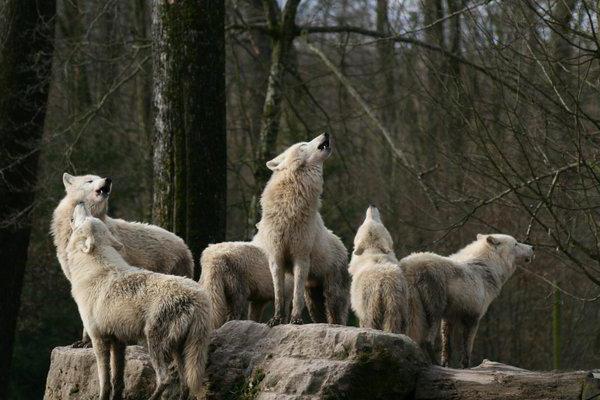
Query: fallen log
pixel 492 380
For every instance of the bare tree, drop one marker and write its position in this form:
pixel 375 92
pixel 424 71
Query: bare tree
pixel 26 31
pixel 282 27
pixel 190 182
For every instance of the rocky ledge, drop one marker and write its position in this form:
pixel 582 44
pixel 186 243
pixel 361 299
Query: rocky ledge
pixel 318 361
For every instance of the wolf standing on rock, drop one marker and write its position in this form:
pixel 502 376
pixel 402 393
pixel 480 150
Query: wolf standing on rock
pixel 459 289
pixel 296 240
pixel 145 246
pixel 119 303
pixel 378 294
pixel 237 278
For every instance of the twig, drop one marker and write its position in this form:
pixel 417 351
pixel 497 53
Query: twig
pixel 382 129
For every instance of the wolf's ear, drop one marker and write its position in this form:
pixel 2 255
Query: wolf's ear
pixel 492 240
pixel 384 249
pixel 67 180
pixel 480 236
pixel 359 250
pixel 88 245
pixel 276 164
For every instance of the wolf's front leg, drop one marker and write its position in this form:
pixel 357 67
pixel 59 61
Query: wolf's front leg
pixel 117 369
pixel 102 351
pixel 446 343
pixel 470 326
pixel 85 341
pixel 301 268
pixel 278 275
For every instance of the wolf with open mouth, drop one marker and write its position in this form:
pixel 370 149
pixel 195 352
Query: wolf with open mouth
pixel 296 240
pixel 144 245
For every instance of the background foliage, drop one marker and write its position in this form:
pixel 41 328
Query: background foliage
pixel 455 117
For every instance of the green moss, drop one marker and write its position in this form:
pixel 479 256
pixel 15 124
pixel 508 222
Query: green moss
pixel 375 376
pixel 249 388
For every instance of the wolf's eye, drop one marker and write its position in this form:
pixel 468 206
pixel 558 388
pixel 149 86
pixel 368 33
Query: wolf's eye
pixel 89 181
pixel 72 220
pixel 516 244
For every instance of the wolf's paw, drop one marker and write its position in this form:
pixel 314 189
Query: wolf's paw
pixel 82 344
pixel 274 322
pixel 296 321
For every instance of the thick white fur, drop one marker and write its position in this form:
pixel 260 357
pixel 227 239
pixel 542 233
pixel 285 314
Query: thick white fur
pixel 296 241
pixel 119 303
pixel 459 289
pixel 236 276
pixel 145 246
pixel 378 294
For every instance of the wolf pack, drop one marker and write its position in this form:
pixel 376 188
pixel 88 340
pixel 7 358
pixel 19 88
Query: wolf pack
pixel 133 282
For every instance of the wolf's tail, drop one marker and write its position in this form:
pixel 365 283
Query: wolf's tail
pixel 393 308
pixel 195 349
pixel 212 283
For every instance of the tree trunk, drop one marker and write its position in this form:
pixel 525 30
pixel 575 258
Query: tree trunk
pixel 556 328
pixel 455 123
pixel 387 64
pixel 26 40
pixel 257 72
pixel 190 133
pixel 282 27
pixel 433 13
pixel 205 126
pixel 492 380
pixel 162 202
pixel 387 85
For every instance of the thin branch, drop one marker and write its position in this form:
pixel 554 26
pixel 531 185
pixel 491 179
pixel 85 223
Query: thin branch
pixel 386 135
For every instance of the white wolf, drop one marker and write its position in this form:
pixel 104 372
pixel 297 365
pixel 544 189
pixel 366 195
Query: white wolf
pixel 236 276
pixel 459 289
pixel 119 303
pixel 378 294
pixel 295 239
pixel 145 246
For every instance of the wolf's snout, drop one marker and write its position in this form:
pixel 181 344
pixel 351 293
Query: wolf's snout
pixel 325 144
pixel 105 189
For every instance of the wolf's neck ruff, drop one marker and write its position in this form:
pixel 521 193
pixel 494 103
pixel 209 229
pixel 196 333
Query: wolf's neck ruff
pixel 494 270
pixel 293 196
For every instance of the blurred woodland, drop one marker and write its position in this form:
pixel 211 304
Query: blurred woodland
pixel 454 117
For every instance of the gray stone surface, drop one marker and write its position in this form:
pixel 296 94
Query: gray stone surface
pixel 252 361
pixel 73 375
pixel 314 361
pixel 318 361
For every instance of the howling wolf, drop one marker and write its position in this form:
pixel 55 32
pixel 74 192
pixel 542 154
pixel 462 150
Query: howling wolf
pixel 295 239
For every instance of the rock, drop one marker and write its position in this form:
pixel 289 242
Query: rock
pixel 252 361
pixel 315 361
pixel 318 361
pixel 73 375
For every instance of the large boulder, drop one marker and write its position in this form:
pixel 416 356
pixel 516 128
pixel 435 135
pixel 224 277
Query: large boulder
pixel 73 375
pixel 252 361
pixel 315 361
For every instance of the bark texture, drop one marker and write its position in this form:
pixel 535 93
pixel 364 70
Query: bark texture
pixel 190 184
pixel 492 380
pixel 205 126
pixel 26 32
pixel 163 190
pixel 282 25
